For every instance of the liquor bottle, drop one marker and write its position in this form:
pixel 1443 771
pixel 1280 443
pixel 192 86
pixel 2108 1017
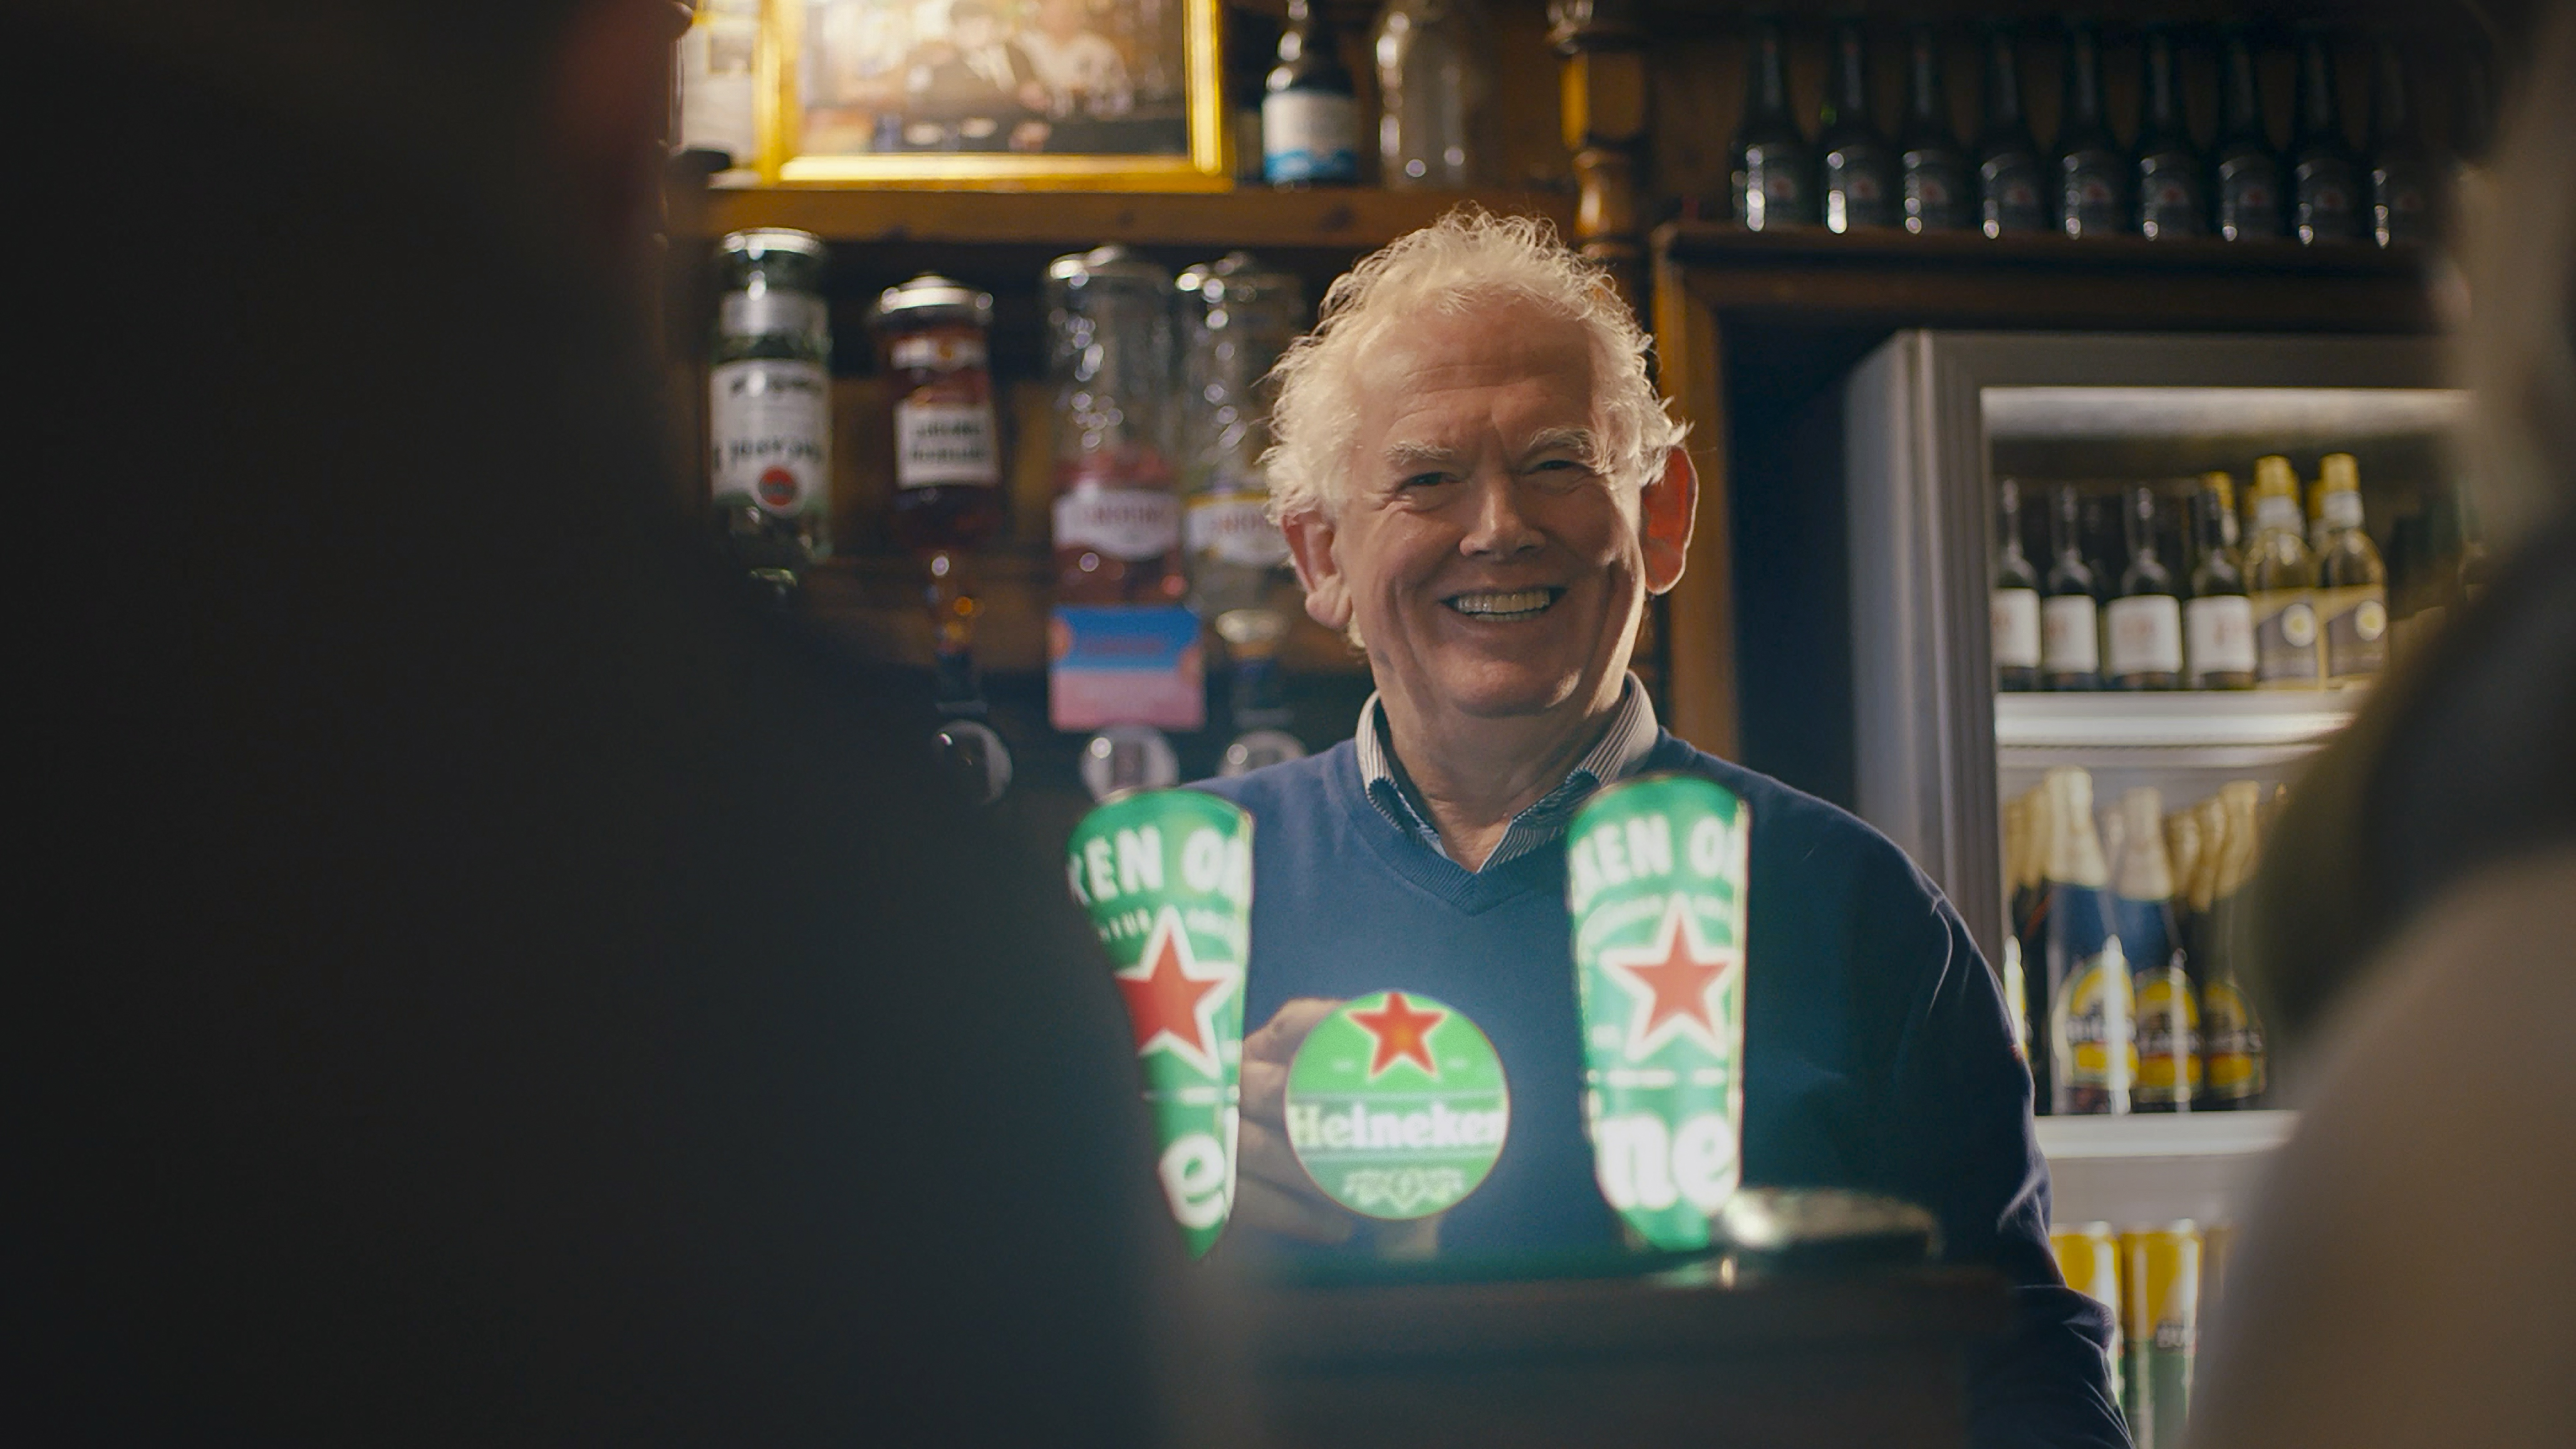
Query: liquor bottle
pixel 2070 648
pixel 1932 172
pixel 1434 79
pixel 2172 193
pixel 2086 1058
pixel 947 446
pixel 2014 606
pixel 2142 912
pixel 2352 583
pixel 1310 117
pixel 769 416
pixel 2402 185
pixel 2012 194
pixel 2325 181
pixel 1858 171
pixel 1117 512
pixel 2234 1063
pixel 2218 622
pixel 2248 169
pixel 715 72
pixel 2146 618
pixel 2091 183
pixel 1771 169
pixel 2281 581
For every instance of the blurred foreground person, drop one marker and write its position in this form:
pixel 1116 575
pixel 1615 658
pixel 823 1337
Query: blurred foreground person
pixel 2409 1278
pixel 477 982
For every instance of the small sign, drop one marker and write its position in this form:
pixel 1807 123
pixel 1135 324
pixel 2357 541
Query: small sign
pixel 1125 664
pixel 1397 1106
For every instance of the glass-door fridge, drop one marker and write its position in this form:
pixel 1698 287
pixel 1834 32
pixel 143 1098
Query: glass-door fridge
pixel 2035 521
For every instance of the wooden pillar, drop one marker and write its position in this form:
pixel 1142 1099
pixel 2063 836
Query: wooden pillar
pixel 1603 85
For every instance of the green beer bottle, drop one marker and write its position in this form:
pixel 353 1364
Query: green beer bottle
pixel 1167 878
pixel 1655 883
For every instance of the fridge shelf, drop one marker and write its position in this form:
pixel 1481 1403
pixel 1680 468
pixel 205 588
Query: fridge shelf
pixel 2161 1134
pixel 2244 719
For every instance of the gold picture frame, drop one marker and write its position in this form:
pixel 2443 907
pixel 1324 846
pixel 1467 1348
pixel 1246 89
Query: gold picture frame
pixel 886 93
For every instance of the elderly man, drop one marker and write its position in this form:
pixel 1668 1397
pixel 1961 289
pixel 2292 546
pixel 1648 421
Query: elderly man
pixel 1480 485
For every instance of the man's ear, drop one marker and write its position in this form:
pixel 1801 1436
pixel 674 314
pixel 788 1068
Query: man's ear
pixel 1310 547
pixel 1665 509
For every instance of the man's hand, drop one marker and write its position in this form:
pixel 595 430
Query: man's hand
pixel 1272 1191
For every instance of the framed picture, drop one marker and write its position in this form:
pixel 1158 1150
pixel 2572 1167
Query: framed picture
pixel 1089 94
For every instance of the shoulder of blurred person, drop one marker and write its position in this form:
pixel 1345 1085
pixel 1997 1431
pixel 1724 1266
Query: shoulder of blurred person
pixel 495 986
pixel 2408 1277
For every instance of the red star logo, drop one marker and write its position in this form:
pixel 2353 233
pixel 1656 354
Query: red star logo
pixel 1170 1004
pixel 1401 1032
pixel 1672 983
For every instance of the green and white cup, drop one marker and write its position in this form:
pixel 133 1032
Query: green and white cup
pixel 1655 883
pixel 1167 878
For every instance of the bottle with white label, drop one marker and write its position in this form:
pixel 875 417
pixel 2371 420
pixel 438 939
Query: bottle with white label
pixel 2014 604
pixel 1117 507
pixel 2145 620
pixel 2070 650
pixel 2352 582
pixel 2218 622
pixel 716 71
pixel 1237 316
pixel 2281 581
pixel 947 447
pixel 1310 113
pixel 769 419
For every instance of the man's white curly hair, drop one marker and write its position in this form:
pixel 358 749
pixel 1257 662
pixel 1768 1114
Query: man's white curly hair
pixel 1467 259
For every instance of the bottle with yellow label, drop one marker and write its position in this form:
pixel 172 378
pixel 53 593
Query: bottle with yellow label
pixel 2281 580
pixel 2090 1055
pixel 2167 1020
pixel 2352 583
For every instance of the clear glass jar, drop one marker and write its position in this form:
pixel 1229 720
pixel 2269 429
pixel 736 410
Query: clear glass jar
pixel 1435 76
pixel 769 415
pixel 1117 515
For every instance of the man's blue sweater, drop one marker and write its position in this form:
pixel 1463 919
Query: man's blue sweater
pixel 1878 1054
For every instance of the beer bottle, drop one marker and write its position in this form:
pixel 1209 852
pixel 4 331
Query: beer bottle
pixel 2401 170
pixel 2281 581
pixel 2183 850
pixel 2146 618
pixel 2142 909
pixel 769 408
pixel 1771 169
pixel 2324 179
pixel 1310 119
pixel 1859 173
pixel 2234 1068
pixel 2090 1049
pixel 2352 583
pixel 2070 650
pixel 2014 605
pixel 2172 196
pixel 2316 496
pixel 2011 195
pixel 1932 171
pixel 2218 622
pixel 2091 183
pixel 2248 170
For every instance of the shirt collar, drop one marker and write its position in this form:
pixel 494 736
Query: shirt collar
pixel 1620 752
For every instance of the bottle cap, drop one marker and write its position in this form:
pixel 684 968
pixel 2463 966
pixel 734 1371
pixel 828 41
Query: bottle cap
pixel 2340 473
pixel 2272 474
pixel 932 298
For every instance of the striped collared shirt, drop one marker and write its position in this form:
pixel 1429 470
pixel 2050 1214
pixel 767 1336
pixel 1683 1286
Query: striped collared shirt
pixel 1622 749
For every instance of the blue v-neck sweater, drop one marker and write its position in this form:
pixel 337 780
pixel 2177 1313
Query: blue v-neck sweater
pixel 1878 1054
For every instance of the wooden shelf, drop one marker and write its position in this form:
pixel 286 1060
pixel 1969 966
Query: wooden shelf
pixel 1340 220
pixel 873 602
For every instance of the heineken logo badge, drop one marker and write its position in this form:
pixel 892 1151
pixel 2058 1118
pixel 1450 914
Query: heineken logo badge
pixel 1396 1106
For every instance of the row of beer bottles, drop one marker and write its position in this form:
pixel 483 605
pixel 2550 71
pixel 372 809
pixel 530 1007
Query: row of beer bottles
pixel 2161 185
pixel 2305 605
pixel 2123 951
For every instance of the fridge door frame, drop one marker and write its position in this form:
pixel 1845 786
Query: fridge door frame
pixel 1917 487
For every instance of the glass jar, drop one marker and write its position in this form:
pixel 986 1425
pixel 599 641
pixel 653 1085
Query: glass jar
pixel 1117 515
pixel 947 448
pixel 769 416
pixel 1236 317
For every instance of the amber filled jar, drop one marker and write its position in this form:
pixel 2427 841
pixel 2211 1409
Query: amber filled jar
pixel 1117 508
pixel 947 449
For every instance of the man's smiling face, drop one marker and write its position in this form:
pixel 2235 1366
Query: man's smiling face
pixel 1492 568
